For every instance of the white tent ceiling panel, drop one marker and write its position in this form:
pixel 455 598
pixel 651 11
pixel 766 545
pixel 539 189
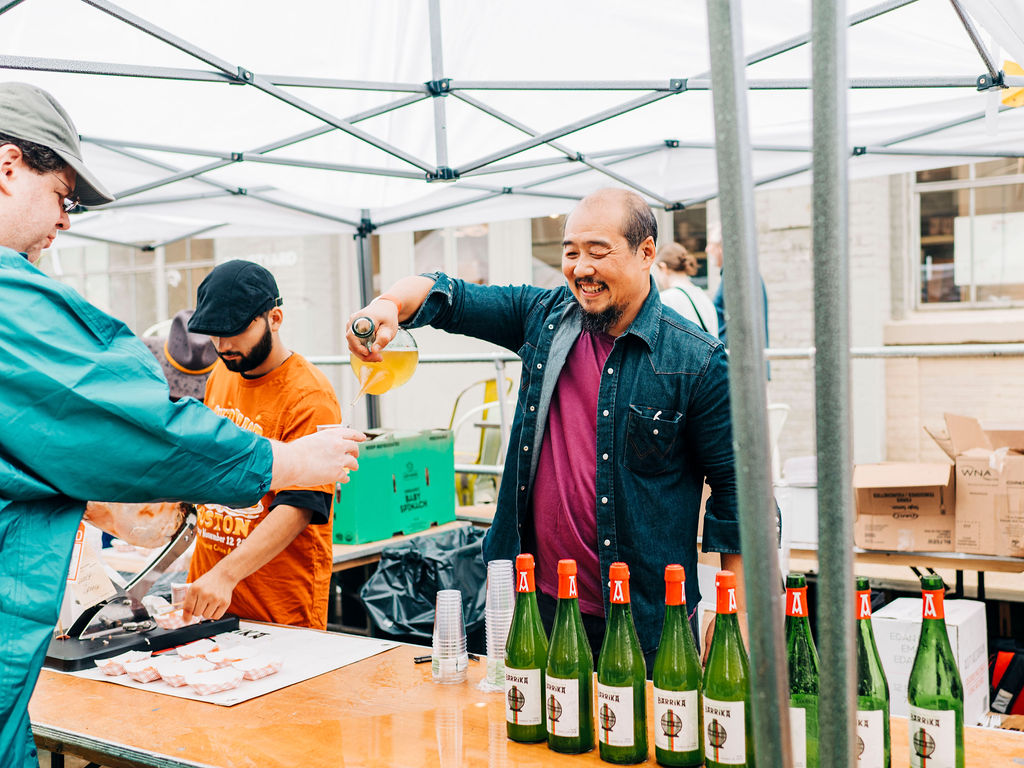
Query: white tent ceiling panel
pixel 381 160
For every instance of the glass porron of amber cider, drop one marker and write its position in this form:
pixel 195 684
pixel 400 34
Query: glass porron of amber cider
pixel 621 680
pixel 803 675
pixel 399 361
pixel 570 673
pixel 678 731
pixel 728 736
pixel 872 741
pixel 526 659
pixel 935 693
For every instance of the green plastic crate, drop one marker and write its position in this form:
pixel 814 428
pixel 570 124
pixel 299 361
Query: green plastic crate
pixel 405 483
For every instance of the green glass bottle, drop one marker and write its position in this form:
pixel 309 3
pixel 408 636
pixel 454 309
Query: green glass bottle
pixel 570 672
pixel 677 679
pixel 935 693
pixel 621 680
pixel 526 659
pixel 872 742
pixel 728 733
pixel 803 675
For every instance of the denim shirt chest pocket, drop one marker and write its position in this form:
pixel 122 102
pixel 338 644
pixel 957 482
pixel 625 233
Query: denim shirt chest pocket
pixel 652 436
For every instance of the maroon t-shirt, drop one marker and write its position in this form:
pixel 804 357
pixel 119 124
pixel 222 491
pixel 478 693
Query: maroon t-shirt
pixel 564 495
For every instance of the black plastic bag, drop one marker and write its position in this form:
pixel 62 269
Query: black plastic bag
pixel 399 597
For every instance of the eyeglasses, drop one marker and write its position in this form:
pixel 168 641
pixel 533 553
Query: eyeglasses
pixel 70 204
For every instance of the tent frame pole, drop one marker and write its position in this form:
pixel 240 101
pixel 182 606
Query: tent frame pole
pixel 748 396
pixel 837 707
pixel 557 133
pixel 795 42
pixel 364 263
pixel 972 32
pixel 248 77
pixel 438 88
pixel 559 147
pixel 261 150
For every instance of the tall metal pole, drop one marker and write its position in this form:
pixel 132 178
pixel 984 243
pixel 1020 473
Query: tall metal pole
pixel 364 262
pixel 437 74
pixel 747 390
pixel 836 642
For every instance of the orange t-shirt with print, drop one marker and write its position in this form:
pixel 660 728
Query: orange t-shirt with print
pixel 285 404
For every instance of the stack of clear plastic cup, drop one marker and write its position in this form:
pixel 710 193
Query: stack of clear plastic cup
pixel 501 604
pixel 450 659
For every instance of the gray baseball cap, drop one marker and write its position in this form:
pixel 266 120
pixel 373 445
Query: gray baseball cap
pixel 32 114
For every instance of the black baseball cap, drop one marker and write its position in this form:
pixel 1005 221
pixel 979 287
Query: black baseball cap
pixel 231 296
pixel 31 114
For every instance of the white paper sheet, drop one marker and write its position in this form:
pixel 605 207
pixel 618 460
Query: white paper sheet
pixel 306 653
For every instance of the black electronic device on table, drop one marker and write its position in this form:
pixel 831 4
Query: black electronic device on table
pixel 122 623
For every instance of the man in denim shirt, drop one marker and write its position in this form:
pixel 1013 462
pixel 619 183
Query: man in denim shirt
pixel 623 410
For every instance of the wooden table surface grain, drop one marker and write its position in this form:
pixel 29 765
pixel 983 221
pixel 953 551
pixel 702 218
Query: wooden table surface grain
pixel 384 711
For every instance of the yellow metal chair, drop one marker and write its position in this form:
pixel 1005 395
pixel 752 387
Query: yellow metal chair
pixel 484 416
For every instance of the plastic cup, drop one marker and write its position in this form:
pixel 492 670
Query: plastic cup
pixel 321 428
pixel 178 591
pixel 498 612
pixel 449 658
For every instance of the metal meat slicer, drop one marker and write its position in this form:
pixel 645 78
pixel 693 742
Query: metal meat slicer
pixel 122 623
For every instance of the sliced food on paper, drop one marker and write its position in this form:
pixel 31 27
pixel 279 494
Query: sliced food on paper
pixel 174 669
pixel 259 666
pixel 197 649
pixel 227 656
pixel 115 664
pixel 174 620
pixel 214 681
pixel 143 671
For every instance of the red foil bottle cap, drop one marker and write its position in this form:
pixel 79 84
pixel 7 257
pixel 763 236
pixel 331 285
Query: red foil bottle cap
pixel 932 607
pixel 725 585
pixel 567 587
pixel 796 602
pixel 524 573
pixel 675 577
pixel 618 575
pixel 864 604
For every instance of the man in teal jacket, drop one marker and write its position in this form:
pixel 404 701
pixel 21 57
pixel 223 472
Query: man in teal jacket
pixel 85 411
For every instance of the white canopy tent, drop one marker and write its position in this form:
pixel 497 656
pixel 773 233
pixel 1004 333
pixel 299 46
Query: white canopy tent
pixel 509 110
pixel 252 118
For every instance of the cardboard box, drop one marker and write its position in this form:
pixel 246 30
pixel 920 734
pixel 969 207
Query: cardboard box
pixel 897 630
pixel 904 507
pixel 405 483
pixel 989 485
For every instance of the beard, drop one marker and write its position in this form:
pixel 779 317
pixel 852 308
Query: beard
pixel 255 357
pixel 598 322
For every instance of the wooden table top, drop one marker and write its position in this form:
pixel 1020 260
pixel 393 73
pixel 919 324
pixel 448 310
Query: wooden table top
pixel 381 712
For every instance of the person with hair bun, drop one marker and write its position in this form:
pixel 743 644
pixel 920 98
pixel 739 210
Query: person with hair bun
pixel 674 266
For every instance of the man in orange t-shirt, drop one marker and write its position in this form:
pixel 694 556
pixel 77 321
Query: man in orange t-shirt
pixel 271 562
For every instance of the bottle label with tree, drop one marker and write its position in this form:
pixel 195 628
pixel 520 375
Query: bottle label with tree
pixel 870 741
pixel 523 697
pixel 675 726
pixel 725 739
pixel 563 702
pixel 932 738
pixel 615 715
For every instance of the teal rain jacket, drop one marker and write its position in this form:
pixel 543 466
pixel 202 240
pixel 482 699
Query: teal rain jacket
pixel 85 414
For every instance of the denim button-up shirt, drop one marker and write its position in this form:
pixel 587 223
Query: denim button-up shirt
pixel 663 425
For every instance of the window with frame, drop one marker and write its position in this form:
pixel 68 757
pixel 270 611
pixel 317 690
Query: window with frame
pixel 126 282
pixel 970 224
